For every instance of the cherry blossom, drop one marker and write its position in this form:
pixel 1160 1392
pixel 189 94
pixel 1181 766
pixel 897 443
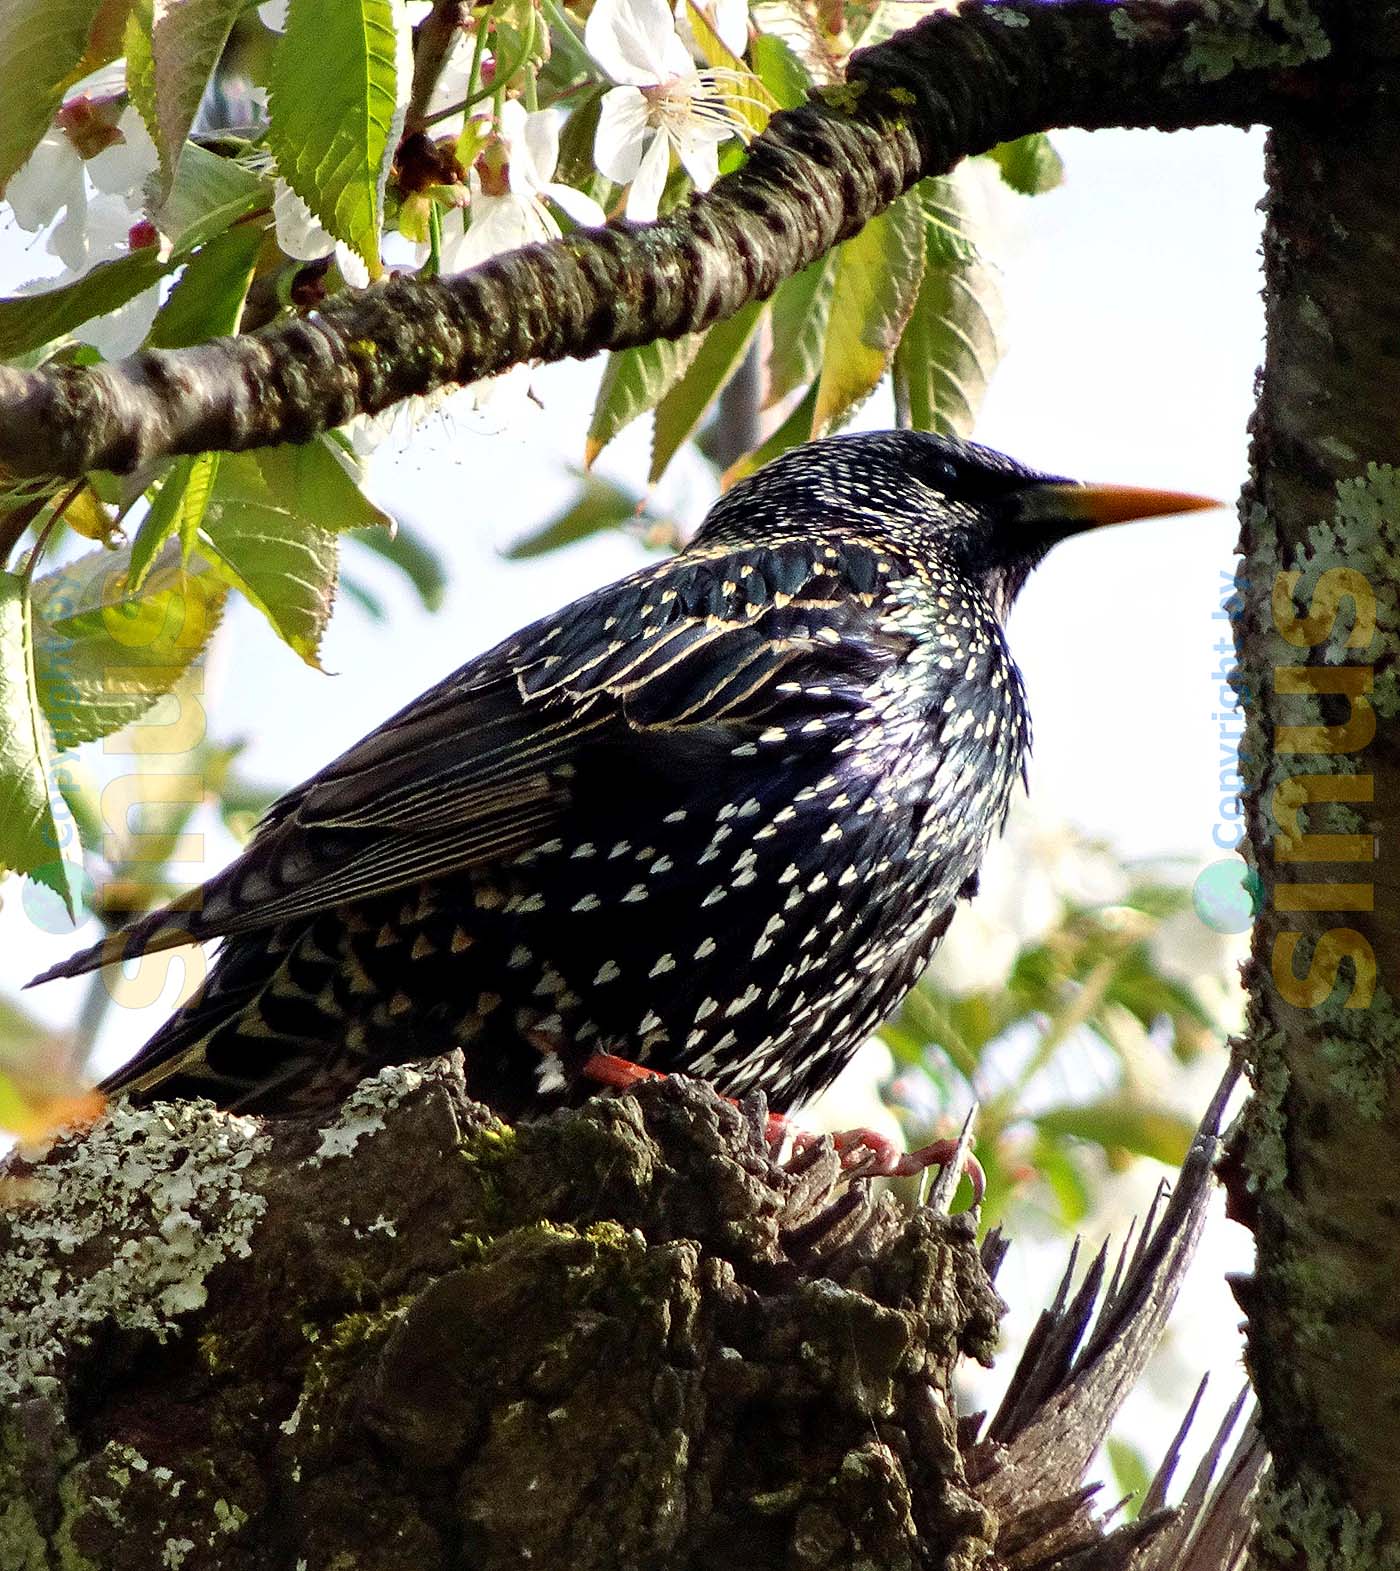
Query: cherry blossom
pixel 302 236
pixel 58 178
pixel 661 101
pixel 511 187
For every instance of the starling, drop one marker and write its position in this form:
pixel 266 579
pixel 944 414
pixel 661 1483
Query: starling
pixel 712 818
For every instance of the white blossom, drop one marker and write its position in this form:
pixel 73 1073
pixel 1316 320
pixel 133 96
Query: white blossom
pixel 661 102
pixel 517 213
pixel 728 18
pixel 303 237
pixel 57 180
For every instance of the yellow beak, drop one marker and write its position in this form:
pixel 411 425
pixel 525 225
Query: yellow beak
pixel 1113 504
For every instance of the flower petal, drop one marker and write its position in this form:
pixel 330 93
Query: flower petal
pixel 632 39
pixel 698 147
pixel 622 131
pixel 650 181
pixel 49 180
pixel 299 231
pixel 534 146
pixel 122 167
pixel 579 206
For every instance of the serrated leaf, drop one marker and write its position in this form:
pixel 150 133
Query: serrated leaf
pixel 30 811
pixel 746 96
pixel 104 652
pixel 321 480
pixel 796 428
pixel 635 380
pixel 1030 164
pixel 42 47
pixel 683 408
pixel 800 311
pixel 187 39
pixel 1122 1123
pixel 207 300
pixel 877 278
pixel 283 563
pixel 952 343
pixel 140 67
pixel 780 70
pixel 176 511
pixel 335 109
pixel 30 320
pixel 210 194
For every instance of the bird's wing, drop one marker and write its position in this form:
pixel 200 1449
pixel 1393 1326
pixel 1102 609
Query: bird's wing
pixel 480 768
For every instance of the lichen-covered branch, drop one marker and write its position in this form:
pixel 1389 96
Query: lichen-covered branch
pixel 958 83
pixel 415 1338
pixel 1317 634
pixel 619 1339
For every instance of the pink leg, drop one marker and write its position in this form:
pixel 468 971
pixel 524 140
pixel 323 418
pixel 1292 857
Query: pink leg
pixel 863 1151
pixel 868 1152
pixel 621 1073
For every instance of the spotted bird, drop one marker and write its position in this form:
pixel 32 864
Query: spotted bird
pixel 712 818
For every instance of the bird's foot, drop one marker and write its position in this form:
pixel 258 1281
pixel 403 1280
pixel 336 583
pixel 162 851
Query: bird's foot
pixel 864 1153
pixel 867 1153
pixel 621 1074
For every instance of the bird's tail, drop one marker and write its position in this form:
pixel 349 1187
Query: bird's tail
pixel 171 927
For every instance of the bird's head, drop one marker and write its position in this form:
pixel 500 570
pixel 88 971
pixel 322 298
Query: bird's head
pixel 981 512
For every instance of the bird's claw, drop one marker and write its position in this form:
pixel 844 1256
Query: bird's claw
pixel 866 1153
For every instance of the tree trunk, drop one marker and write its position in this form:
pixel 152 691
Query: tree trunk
pixel 1316 639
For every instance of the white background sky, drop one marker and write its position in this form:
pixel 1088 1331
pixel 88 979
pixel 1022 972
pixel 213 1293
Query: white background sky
pixel 1135 328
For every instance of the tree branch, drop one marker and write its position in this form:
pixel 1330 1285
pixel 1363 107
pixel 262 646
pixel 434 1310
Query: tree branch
pixel 956 84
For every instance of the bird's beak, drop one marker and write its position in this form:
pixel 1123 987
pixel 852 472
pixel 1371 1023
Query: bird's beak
pixel 1089 505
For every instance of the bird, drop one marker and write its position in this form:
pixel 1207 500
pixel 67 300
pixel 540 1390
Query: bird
pixel 710 819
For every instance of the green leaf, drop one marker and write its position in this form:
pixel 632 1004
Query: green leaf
pixel 878 273
pixel 334 107
pixel 1120 1122
pixel 27 321
pixel 748 98
pixel 1030 164
pixel 1057 1167
pixel 780 71
pixel 207 301
pixel 321 480
pixel 186 43
pixel 634 381
pixel 796 428
pixel 176 510
pixel 1132 1475
pixel 42 45
pixel 952 342
pixel 31 839
pixel 801 308
pixel 105 652
pixel 140 67
pixel 415 558
pixel 682 409
pixel 285 564
pixel 210 194
pixel 600 505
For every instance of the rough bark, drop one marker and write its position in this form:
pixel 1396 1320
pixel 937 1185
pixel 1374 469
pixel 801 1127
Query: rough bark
pixel 957 83
pixel 1320 1148
pixel 413 1337
pixel 619 1338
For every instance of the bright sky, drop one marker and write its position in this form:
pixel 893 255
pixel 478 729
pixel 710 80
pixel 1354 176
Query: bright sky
pixel 1135 324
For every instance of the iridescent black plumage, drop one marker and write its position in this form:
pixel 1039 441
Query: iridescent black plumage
pixel 712 818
